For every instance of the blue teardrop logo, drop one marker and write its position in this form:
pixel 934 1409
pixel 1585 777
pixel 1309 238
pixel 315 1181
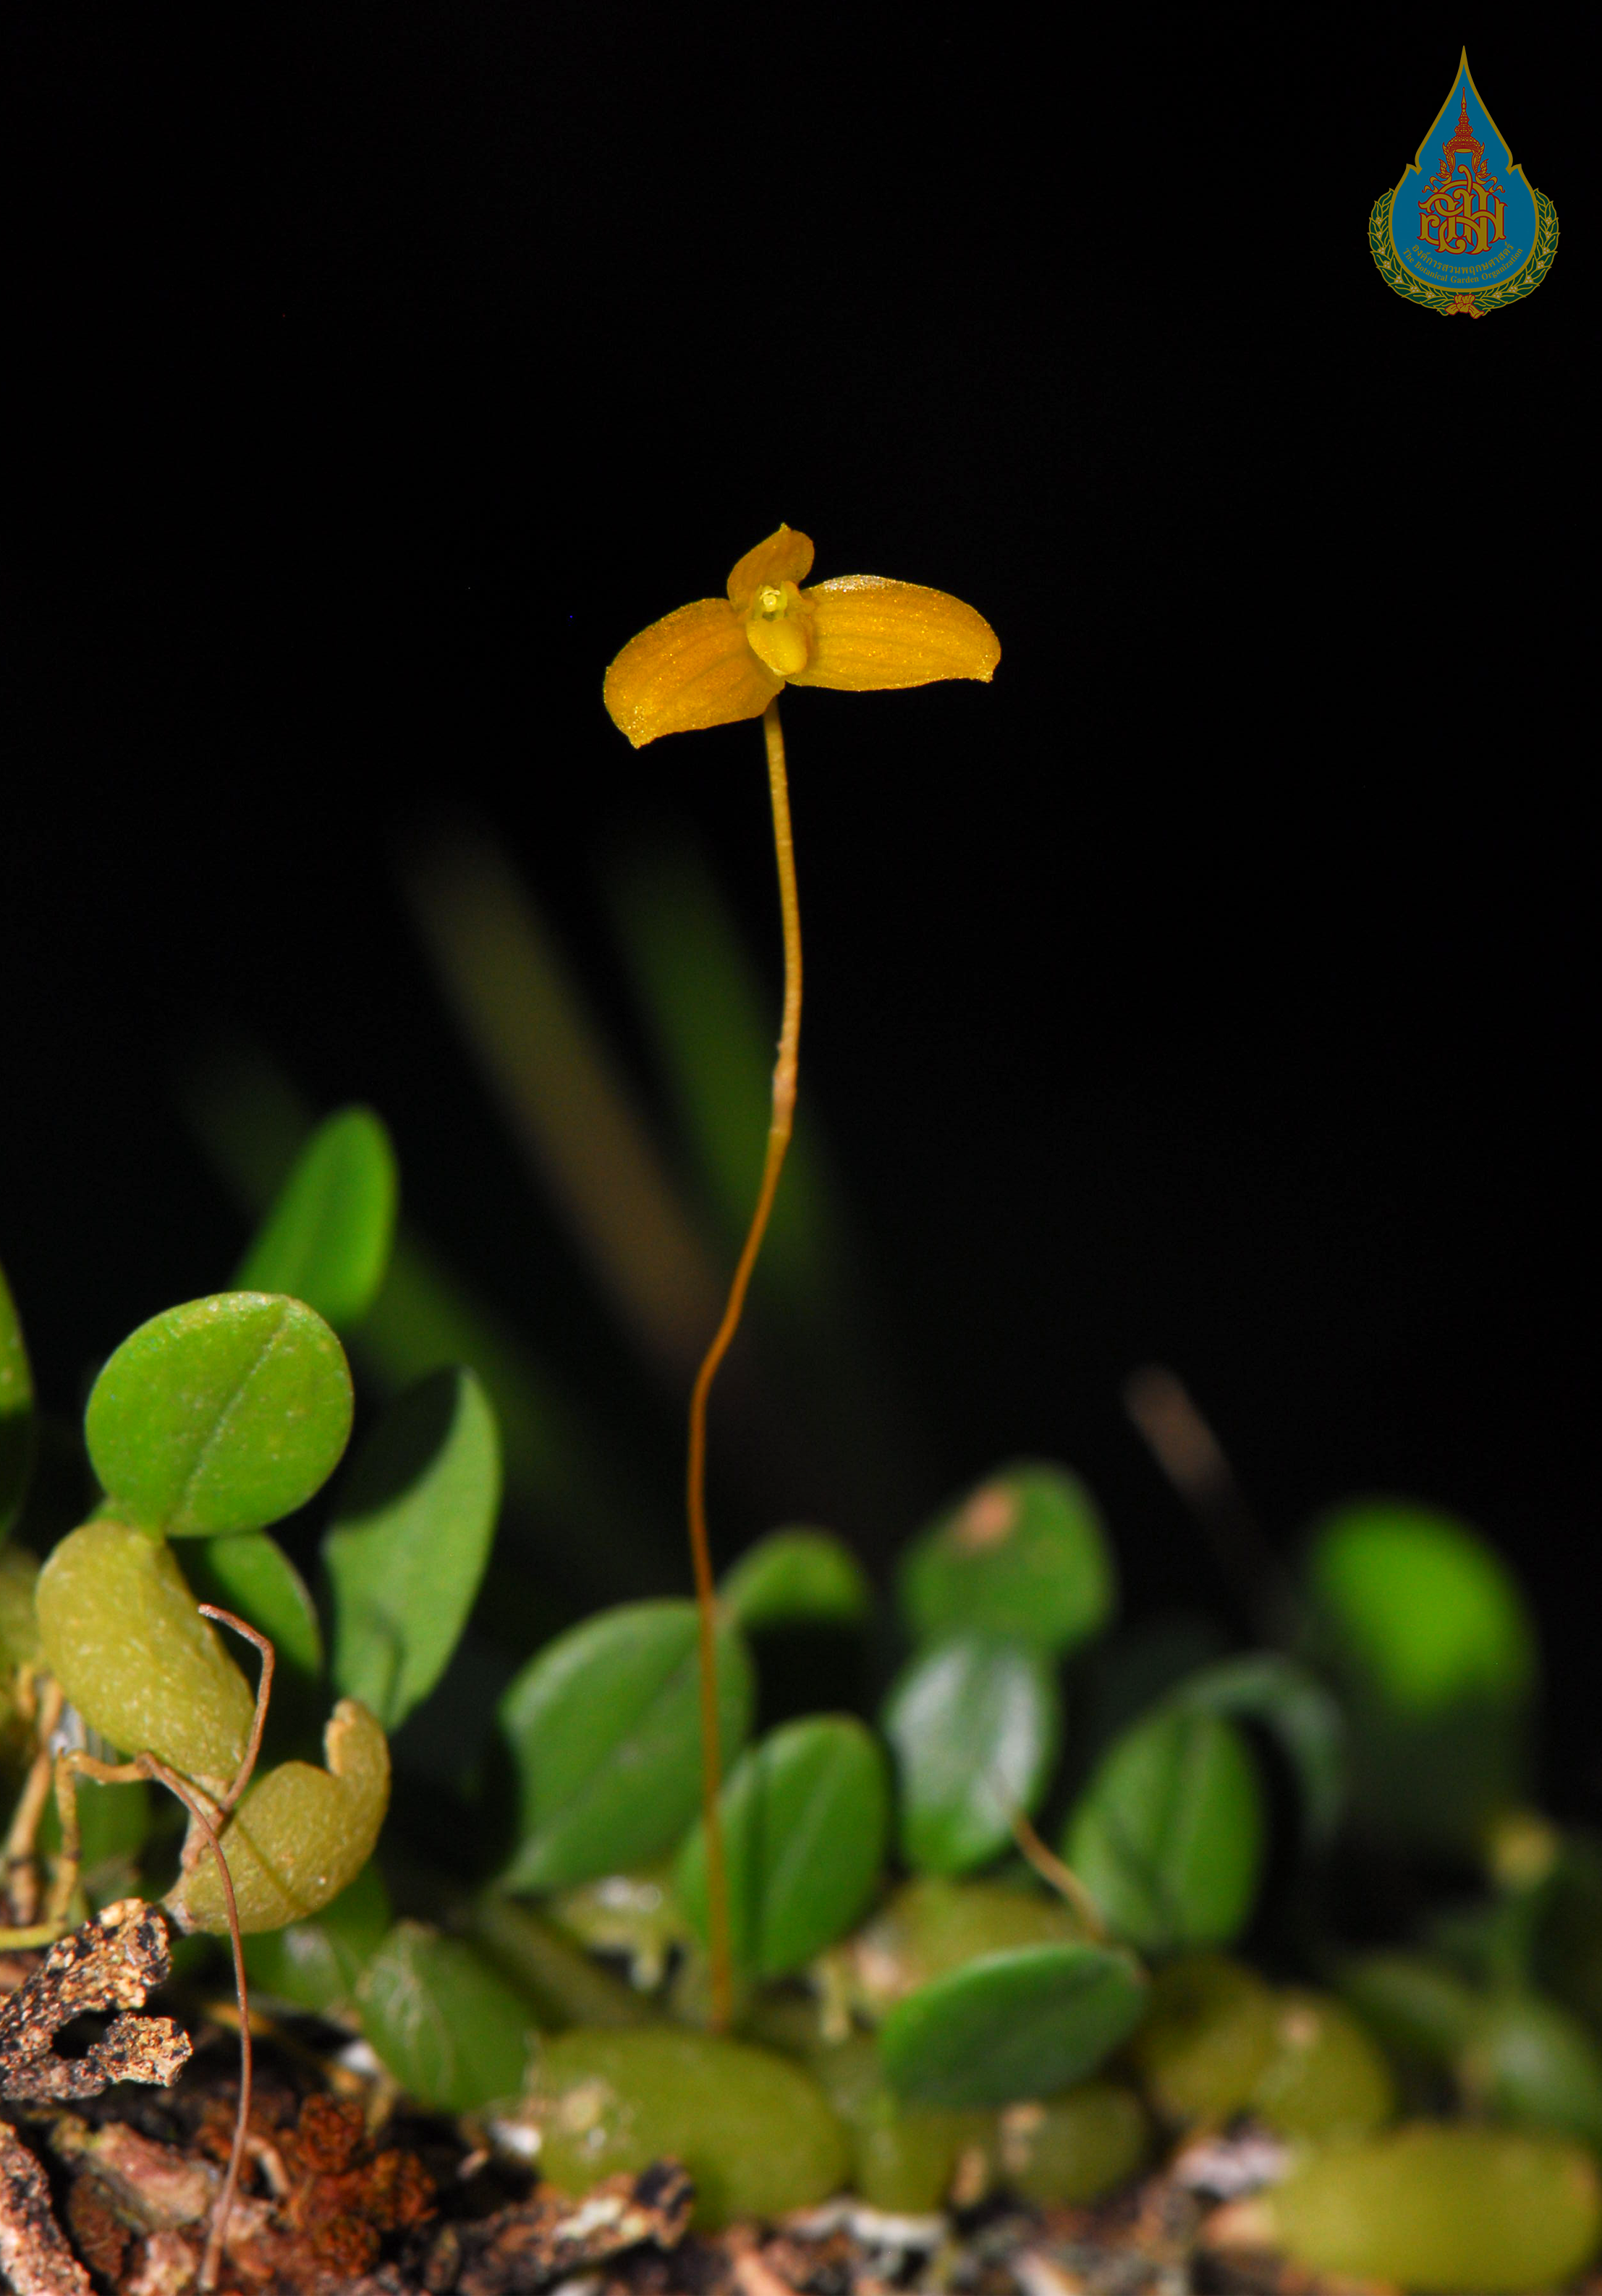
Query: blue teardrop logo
pixel 1463 231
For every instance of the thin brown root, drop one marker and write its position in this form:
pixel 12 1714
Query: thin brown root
pixel 22 1870
pixel 211 2262
pixel 264 1692
pixel 1062 1878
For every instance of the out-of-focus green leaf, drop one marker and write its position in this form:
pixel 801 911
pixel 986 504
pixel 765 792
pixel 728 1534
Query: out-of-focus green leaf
pixel 317 1965
pixel 16 1411
pixel 1422 1604
pixel 563 1984
pixel 18 1621
pixel 931 1926
pixel 755 2133
pixel 1024 1555
pixel 407 1546
pixel 1526 2061
pixel 1433 1650
pixel 326 1239
pixel 805 1814
pixel 975 1724
pixel 1485 2211
pixel 1011 2025
pixel 249 1573
pixel 1208 2036
pixel 1168 1836
pixel 220 1415
pixel 603 1726
pixel 1294 1705
pixel 454 2034
pixel 712 1025
pixel 797 1576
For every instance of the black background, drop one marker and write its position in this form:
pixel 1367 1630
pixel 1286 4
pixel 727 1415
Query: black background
pixel 1216 987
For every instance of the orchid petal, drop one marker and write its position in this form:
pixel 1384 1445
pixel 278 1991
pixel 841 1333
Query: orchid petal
pixel 785 556
pixel 868 633
pixel 691 668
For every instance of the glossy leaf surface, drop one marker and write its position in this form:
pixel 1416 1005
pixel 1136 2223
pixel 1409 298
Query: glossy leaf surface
pixel 1011 2025
pixel 220 1415
pixel 250 1573
pixel 794 1576
pixel 300 1837
pixel 326 1239
pixel 604 1731
pixel 454 2034
pixel 755 2133
pixel 975 1726
pixel 16 1411
pixel 1168 1836
pixel 406 1552
pixel 1024 1556
pixel 805 1817
pixel 1293 1704
pixel 125 1639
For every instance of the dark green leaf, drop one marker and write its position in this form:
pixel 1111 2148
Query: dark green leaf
pixel 220 1415
pixel 317 1965
pixel 605 1729
pixel 1168 1837
pixel 805 1816
pixel 407 1546
pixel 1011 2025
pixel 1296 1707
pixel 796 1575
pixel 1024 1555
pixel 453 2033
pixel 249 1573
pixel 326 1239
pixel 16 1411
pixel 975 1724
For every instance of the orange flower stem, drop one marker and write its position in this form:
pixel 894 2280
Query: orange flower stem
pixel 779 1128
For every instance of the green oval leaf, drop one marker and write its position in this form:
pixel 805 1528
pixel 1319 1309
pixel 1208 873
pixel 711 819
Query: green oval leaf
pixel 250 1573
pixel 16 1411
pixel 407 1549
pixel 797 1576
pixel 1295 1706
pixel 975 1724
pixel 605 1730
pixel 318 1964
pixel 1024 1555
pixel 805 1814
pixel 220 1415
pixel 453 2033
pixel 326 1240
pixel 1168 1837
pixel 1422 1605
pixel 1434 1655
pixel 1012 2025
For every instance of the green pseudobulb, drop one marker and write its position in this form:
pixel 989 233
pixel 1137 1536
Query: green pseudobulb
pixel 299 1836
pixel 755 2133
pixel 123 1637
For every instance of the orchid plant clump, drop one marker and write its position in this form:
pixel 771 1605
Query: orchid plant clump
pixel 1051 1894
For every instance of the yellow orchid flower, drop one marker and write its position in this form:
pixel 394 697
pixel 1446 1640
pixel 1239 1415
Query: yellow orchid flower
pixel 721 659
pixel 713 664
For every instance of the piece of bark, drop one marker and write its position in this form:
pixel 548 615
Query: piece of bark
pixel 523 2247
pixel 112 1963
pixel 35 2258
